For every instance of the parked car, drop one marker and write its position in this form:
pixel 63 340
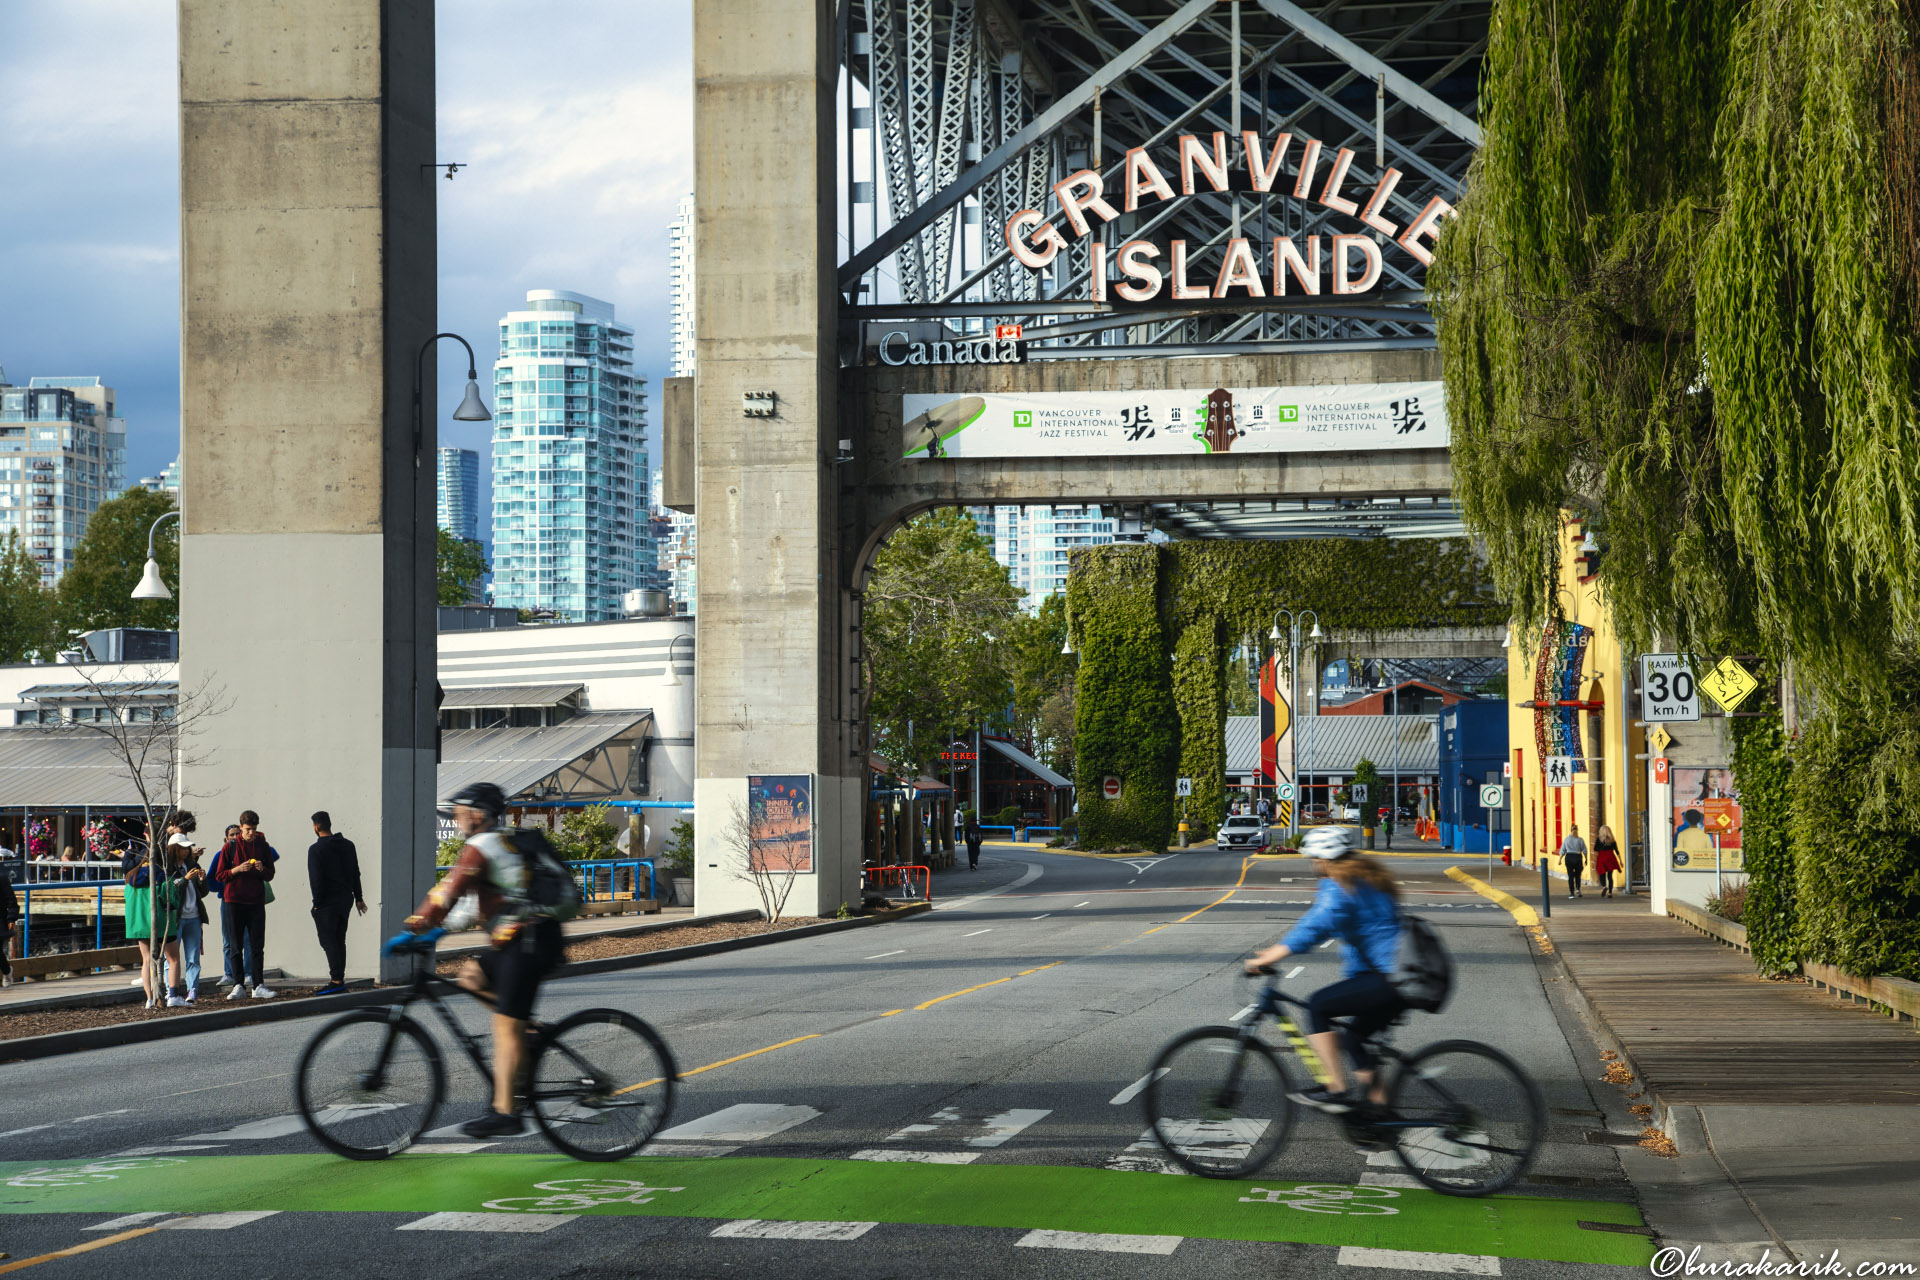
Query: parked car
pixel 1242 830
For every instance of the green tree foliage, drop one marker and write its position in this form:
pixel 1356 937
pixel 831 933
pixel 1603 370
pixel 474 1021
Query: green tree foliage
pixel 97 590
pixel 1125 723
pixel 1367 774
pixel 459 565
pixel 26 607
pixel 935 597
pixel 585 834
pixel 1764 769
pixel 1042 678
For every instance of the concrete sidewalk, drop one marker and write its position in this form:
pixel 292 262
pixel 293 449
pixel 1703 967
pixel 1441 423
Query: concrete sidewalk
pixel 1796 1114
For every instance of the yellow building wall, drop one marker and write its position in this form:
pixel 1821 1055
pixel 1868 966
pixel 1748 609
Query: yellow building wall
pixel 1615 780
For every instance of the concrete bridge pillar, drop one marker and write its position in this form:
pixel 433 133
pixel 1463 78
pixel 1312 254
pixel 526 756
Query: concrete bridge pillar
pixel 307 562
pixel 774 690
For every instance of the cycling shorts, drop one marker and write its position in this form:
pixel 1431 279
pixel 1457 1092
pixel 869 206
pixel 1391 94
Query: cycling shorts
pixel 515 969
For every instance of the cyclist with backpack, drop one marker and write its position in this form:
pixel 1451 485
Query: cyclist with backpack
pixel 514 873
pixel 1359 903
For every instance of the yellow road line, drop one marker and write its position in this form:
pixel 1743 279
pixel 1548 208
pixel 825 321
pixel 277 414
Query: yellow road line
pixel 88 1247
pixel 1523 915
pixel 1245 866
pixel 738 1057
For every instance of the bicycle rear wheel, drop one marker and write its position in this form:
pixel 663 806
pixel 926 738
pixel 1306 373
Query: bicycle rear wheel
pixel 602 1084
pixel 368 1084
pixel 1217 1103
pixel 1464 1117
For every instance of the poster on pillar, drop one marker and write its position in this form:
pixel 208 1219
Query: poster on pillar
pixel 1051 424
pixel 1276 718
pixel 1706 820
pixel 780 824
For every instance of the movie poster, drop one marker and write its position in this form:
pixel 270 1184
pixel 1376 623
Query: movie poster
pixel 780 817
pixel 1705 805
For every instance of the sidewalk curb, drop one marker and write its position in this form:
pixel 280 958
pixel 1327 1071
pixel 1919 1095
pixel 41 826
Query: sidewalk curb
pixel 56 1043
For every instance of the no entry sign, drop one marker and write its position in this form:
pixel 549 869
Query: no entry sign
pixel 1110 787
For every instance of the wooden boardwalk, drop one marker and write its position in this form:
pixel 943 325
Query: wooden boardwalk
pixel 1702 1027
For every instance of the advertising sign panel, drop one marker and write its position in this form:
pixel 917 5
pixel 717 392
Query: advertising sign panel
pixel 780 820
pixel 1705 805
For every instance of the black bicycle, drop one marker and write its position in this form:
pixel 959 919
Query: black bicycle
pixel 600 1082
pixel 1463 1116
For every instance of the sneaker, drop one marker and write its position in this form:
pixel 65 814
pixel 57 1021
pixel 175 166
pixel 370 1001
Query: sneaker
pixel 261 993
pixel 332 989
pixel 494 1125
pixel 238 993
pixel 177 1002
pixel 1322 1099
pixel 136 982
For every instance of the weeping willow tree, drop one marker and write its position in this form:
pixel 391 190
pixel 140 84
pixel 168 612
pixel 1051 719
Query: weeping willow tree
pixel 1678 302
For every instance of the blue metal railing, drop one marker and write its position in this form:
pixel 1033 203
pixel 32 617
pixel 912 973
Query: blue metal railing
pixel 99 887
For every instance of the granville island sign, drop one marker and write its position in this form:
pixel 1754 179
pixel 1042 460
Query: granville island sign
pixel 1352 264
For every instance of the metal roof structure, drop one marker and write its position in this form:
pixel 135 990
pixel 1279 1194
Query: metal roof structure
pixel 965 112
pixel 1336 744
pixel 572 758
pixel 492 696
pixel 1026 762
pixel 63 768
pixel 105 689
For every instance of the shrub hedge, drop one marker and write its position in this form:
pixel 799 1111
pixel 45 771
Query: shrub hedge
pixel 1764 766
pixel 1125 723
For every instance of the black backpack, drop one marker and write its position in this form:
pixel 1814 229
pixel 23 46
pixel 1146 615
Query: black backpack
pixel 552 893
pixel 1425 979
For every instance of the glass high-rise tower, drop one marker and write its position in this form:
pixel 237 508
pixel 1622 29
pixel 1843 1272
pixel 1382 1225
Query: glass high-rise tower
pixel 62 454
pixel 570 533
pixel 460 493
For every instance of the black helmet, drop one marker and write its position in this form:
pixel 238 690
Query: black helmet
pixel 484 796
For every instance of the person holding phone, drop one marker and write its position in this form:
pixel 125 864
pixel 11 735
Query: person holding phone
pixel 244 868
pixel 186 893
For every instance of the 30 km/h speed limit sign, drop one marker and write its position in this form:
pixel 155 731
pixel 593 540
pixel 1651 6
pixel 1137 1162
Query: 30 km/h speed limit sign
pixel 1667 687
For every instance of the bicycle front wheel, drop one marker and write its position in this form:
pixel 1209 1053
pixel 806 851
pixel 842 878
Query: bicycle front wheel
pixel 1217 1102
pixel 368 1084
pixel 602 1084
pixel 1465 1118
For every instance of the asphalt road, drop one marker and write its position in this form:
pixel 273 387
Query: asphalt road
pixel 1009 1026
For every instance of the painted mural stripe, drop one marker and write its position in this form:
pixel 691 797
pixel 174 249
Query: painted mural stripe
pixel 1101 1242
pixel 528 1224
pixel 760 1229
pixel 793 1189
pixel 1453 1264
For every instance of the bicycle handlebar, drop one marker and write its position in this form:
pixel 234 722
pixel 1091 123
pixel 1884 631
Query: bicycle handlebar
pixel 413 943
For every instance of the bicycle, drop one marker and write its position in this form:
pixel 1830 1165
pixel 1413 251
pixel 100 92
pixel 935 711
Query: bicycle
pixel 599 1083
pixel 1463 1116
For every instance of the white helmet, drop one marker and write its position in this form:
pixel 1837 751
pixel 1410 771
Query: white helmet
pixel 1327 843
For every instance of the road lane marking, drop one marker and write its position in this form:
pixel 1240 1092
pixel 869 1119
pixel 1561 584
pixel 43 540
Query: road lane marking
pixel 36 1128
pixel 1034 872
pixel 129 1220
pixel 1242 1015
pixel 1329 942
pixel 1135 1089
pixel 757 1229
pixel 975 1128
pixel 976 933
pixel 74 1250
pixel 1457 1264
pixel 515 1223
pixel 724 1062
pixel 1523 915
pixel 884 1156
pixel 1098 1242
pixel 1043 915
pixel 1374 1178
pixel 1076 906
pixel 278 1075
pixel 217 1221
pixel 1295 972
pixel 1219 1140
pixel 1245 866
pixel 448 1148
pixel 884 954
pixel 741 1123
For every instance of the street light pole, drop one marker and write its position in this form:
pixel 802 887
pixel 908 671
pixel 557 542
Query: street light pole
pixel 152 585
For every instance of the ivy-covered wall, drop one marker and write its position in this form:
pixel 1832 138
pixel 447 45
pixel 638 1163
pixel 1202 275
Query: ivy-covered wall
pixel 1211 596
pixel 1124 721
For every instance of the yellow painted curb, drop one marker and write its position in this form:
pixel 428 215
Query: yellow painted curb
pixel 1523 915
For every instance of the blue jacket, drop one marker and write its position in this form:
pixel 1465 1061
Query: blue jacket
pixel 1367 920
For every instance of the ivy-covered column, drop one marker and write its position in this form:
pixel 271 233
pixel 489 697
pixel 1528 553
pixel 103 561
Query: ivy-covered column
pixel 1125 724
pixel 1200 692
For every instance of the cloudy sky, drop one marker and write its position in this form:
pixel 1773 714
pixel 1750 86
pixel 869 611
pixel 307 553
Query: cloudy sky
pixel 575 118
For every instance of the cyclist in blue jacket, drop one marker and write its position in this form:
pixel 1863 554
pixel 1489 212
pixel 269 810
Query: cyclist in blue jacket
pixel 1359 903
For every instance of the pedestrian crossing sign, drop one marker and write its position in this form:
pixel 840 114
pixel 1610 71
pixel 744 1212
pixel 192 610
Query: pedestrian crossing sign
pixel 1729 684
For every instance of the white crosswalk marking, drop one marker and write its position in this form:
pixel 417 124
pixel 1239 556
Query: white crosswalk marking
pixel 1216 1139
pixel 217 1221
pixel 287 1126
pixel 1144 1156
pixel 975 1129
pixel 125 1223
pixel 1372 1178
pixel 1134 1090
pixel 758 1229
pixel 885 1155
pixel 448 1148
pixel 1457 1264
pixel 1098 1242
pixel 741 1123
pixel 516 1223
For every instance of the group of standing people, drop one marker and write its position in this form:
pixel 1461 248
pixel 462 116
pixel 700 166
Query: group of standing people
pixel 1606 860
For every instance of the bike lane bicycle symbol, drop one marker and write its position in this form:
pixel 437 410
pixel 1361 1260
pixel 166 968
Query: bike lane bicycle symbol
pixel 574 1195
pixel 87 1174
pixel 1327 1198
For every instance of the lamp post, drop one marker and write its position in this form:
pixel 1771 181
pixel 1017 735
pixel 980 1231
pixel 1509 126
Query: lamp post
pixel 673 677
pixel 152 585
pixel 1393 797
pixel 1314 636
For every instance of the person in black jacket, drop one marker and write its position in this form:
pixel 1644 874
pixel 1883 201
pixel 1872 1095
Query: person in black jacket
pixel 9 912
pixel 333 873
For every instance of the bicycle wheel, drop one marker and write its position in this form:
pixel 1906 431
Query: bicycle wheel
pixel 1464 1117
pixel 368 1084
pixel 1218 1103
pixel 602 1084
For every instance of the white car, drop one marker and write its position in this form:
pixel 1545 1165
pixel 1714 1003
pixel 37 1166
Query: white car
pixel 1242 830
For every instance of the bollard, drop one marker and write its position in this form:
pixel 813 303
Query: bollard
pixel 1546 894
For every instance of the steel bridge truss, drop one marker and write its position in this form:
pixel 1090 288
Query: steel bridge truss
pixel 960 113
